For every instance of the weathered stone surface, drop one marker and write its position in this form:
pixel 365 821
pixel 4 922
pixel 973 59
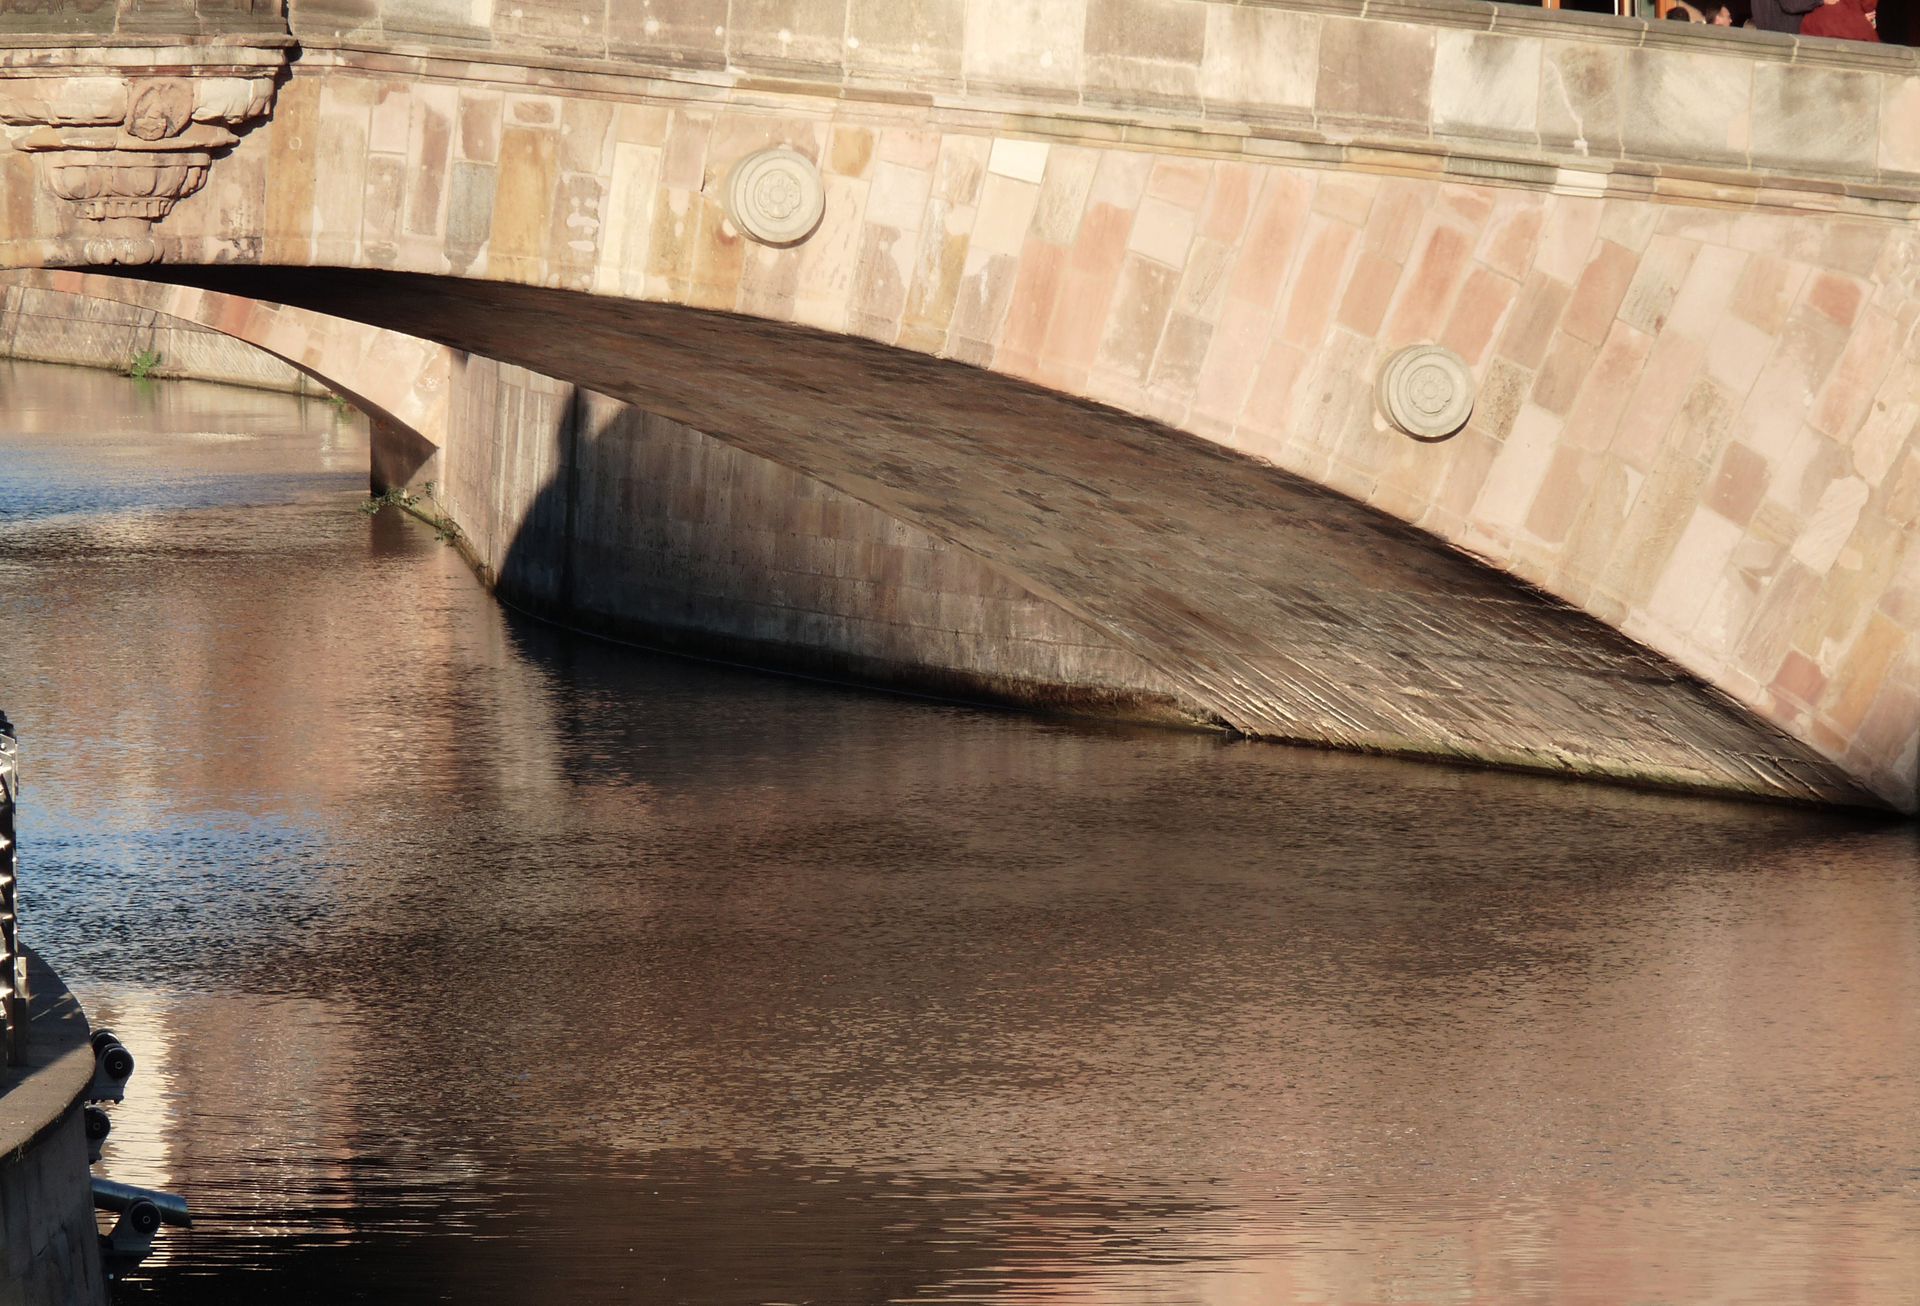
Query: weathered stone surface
pixel 1374 75
pixel 50 327
pixel 123 134
pixel 1034 46
pixel 1645 265
pixel 1263 63
pixel 1145 51
pixel 1486 86
pixel 1815 120
pixel 919 42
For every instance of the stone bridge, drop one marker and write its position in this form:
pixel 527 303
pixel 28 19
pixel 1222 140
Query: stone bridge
pixel 1066 319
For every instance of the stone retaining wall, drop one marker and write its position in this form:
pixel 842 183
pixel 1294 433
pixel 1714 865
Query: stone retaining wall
pixel 47 327
pixel 49 1244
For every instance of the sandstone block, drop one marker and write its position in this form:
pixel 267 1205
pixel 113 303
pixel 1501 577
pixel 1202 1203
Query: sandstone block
pixel 1486 86
pixel 915 41
pixel 1823 120
pixel 1375 74
pixel 1145 51
pixel 1033 45
pixel 1259 62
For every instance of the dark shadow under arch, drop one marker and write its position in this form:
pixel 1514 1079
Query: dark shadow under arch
pixel 1279 607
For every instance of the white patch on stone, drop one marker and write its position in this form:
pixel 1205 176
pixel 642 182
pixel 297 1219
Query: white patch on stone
pixel 651 27
pixel 1566 102
pixel 853 43
pixel 1021 160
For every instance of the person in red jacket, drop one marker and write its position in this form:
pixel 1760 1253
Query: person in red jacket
pixel 1844 20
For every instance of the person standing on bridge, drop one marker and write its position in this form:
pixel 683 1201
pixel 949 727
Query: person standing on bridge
pixel 1843 20
pixel 1782 15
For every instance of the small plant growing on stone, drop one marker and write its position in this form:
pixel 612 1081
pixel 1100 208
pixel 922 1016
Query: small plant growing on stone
pixel 394 495
pixel 143 364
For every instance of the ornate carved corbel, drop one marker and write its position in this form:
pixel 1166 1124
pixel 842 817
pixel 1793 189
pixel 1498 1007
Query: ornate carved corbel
pixel 128 126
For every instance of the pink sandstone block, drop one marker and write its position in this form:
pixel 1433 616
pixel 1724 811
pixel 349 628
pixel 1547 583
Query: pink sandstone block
pixel 1512 234
pixel 1665 382
pixel 1346 196
pixel 1036 292
pixel 1229 202
pixel 1838 298
pixel 1396 217
pixel 1427 291
pixel 1607 387
pixel 1534 319
pixel 1477 314
pixel 1280 222
pixel 1239 341
pixel 1739 483
pixel 1842 407
pixel 1766 292
pixel 1369 290
pixel 1566 241
pixel 1597 295
pixel 1180 181
pixel 1323 264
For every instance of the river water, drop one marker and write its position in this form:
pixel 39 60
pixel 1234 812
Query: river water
pixel 470 961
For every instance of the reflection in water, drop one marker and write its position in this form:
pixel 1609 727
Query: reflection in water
pixel 470 961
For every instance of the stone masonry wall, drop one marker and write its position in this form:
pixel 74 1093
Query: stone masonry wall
pixel 1683 265
pixel 587 511
pixel 47 327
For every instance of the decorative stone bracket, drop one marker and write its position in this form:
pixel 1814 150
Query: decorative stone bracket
pixel 126 130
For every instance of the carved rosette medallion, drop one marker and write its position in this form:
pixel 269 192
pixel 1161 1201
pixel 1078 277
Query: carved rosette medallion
pixel 125 132
pixel 774 196
pixel 1425 391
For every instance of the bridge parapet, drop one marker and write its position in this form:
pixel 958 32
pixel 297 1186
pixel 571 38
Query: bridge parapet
pixel 136 18
pixel 1470 89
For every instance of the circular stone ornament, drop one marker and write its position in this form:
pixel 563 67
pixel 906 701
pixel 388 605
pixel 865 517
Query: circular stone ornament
pixel 775 196
pixel 1426 391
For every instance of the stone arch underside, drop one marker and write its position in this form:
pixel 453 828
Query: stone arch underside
pixel 1267 603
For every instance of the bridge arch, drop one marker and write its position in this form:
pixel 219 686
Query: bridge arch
pixel 1028 547
pixel 1695 352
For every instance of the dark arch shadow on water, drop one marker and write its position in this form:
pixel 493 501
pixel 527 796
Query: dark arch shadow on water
pixel 1270 604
